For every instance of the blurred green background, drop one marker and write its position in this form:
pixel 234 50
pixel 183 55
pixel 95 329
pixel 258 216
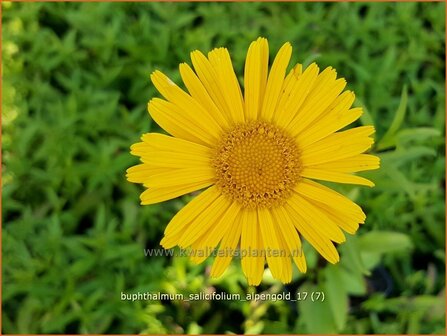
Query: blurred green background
pixel 75 89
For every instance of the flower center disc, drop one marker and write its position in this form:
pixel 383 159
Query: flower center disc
pixel 257 164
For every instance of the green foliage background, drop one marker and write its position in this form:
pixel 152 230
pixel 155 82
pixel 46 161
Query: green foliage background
pixel 75 89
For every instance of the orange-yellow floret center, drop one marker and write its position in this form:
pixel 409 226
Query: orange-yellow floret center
pixel 257 164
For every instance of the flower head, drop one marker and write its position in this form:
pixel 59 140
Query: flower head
pixel 257 154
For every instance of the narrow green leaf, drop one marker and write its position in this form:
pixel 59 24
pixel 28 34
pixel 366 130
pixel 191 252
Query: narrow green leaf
pixel 399 177
pixel 399 157
pixel 366 118
pixel 416 134
pixel 388 140
pixel 311 58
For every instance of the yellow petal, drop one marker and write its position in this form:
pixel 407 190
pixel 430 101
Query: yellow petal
pixel 274 255
pixel 204 221
pixel 215 234
pixel 324 225
pixel 175 147
pixel 351 164
pixel 258 266
pixel 294 94
pixel 335 207
pixel 181 177
pixel 157 195
pixel 191 210
pixel 291 237
pixel 200 94
pixel 140 173
pixel 188 106
pixel 255 77
pixel 338 146
pixel 172 119
pixel 325 175
pixel 298 70
pixel 180 160
pixel 158 150
pixel 344 221
pixel 329 126
pixel 320 193
pixel 229 85
pixel 251 248
pixel 340 209
pixel 210 80
pixel 333 119
pixel 226 249
pixel 286 275
pixel 275 81
pixel 323 94
pixel 167 143
pixel 322 244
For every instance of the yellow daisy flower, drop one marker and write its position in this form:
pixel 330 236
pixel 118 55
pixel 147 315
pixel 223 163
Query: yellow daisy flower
pixel 257 154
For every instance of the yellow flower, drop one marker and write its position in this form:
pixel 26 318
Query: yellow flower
pixel 257 154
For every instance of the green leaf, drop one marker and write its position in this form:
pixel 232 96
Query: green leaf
pixel 351 256
pixel 310 59
pixel 399 177
pixel 194 329
pixel 366 118
pixel 255 329
pixel 384 242
pixel 354 283
pixel 399 157
pixel 416 134
pixel 317 316
pixel 388 140
pixel 336 295
pixel 370 259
